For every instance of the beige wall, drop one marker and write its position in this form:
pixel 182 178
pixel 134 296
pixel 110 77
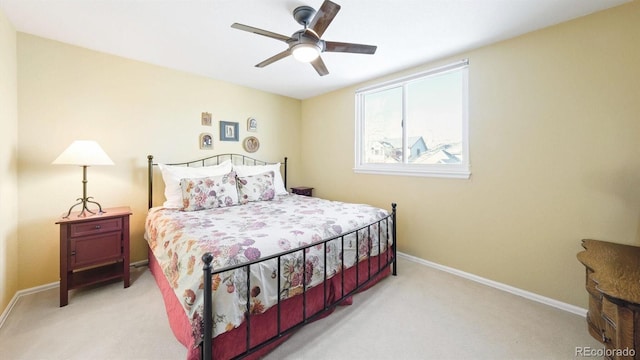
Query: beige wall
pixel 8 160
pixel 554 133
pixel 132 109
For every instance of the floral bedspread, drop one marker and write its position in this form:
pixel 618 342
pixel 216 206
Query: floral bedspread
pixel 242 233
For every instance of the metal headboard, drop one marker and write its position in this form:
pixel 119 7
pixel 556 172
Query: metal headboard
pixel 238 159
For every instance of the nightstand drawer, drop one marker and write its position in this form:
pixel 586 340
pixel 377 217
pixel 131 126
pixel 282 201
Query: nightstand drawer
pixel 95 227
pixel 91 250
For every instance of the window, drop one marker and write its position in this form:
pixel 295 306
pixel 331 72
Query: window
pixel 416 125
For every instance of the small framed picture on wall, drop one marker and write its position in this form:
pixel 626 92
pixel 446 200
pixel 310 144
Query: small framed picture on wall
pixel 206 141
pixel 206 118
pixel 229 131
pixel 251 144
pixel 252 124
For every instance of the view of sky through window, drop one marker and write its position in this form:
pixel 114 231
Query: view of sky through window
pixel 431 132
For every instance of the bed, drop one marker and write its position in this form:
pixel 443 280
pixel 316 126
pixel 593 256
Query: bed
pixel 242 264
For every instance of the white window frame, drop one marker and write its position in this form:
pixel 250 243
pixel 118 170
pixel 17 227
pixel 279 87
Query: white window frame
pixel 458 171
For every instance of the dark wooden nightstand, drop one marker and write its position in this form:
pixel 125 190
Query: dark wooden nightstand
pixel 302 190
pixel 93 249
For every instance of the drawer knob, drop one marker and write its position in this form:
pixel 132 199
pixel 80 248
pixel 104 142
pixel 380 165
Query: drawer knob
pixel 97 227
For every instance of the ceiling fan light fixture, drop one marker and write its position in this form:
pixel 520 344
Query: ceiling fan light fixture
pixel 306 44
pixel 306 52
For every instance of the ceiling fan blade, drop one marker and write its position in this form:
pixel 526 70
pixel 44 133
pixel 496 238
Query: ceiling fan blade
pixel 274 58
pixel 323 17
pixel 333 46
pixel 255 30
pixel 320 67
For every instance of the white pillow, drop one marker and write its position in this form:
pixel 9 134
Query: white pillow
pixel 248 170
pixel 173 174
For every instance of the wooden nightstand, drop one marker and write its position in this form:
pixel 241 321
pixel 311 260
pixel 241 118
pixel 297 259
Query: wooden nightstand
pixel 302 190
pixel 93 249
pixel 613 288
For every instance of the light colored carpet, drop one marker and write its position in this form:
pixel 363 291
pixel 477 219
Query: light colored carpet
pixel 422 313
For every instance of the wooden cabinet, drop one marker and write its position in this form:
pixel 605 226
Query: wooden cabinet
pixel 93 249
pixel 613 285
pixel 302 190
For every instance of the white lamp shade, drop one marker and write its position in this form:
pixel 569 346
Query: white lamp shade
pixel 83 152
pixel 306 52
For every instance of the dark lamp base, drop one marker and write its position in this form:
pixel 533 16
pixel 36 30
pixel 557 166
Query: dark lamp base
pixel 85 210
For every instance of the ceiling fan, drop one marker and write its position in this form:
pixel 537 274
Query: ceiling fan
pixel 306 44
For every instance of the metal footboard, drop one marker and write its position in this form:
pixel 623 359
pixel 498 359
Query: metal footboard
pixel 383 259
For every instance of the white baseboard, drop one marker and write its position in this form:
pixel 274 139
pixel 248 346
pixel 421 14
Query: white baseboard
pixel 500 286
pixel 21 293
pixel 36 289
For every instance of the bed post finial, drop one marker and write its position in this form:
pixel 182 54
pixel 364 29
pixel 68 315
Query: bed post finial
pixel 285 172
pixel 207 258
pixel 150 180
pixel 207 331
pixel 395 239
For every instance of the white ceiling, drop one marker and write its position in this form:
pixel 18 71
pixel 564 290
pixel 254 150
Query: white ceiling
pixel 195 35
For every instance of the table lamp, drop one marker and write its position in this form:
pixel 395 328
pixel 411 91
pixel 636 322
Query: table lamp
pixel 83 153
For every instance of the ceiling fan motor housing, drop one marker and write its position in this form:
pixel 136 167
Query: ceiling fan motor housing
pixel 303 14
pixel 307 38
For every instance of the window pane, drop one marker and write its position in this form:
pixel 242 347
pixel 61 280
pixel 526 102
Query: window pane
pixel 383 126
pixel 415 125
pixel 434 126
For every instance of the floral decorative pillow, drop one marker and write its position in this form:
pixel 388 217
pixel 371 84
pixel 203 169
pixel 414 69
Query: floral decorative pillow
pixel 246 170
pixel 258 187
pixel 173 174
pixel 209 192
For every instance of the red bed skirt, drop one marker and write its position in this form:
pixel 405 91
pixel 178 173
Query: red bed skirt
pixel 263 326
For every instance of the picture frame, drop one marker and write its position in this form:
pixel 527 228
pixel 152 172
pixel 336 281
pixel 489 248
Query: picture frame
pixel 205 118
pixel 206 141
pixel 229 131
pixel 252 124
pixel 251 144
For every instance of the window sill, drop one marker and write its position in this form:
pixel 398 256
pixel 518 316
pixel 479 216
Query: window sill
pixel 414 171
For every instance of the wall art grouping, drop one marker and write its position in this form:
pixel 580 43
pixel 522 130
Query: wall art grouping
pixel 229 131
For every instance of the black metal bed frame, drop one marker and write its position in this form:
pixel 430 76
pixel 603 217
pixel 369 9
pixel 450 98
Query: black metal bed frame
pixel 384 260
